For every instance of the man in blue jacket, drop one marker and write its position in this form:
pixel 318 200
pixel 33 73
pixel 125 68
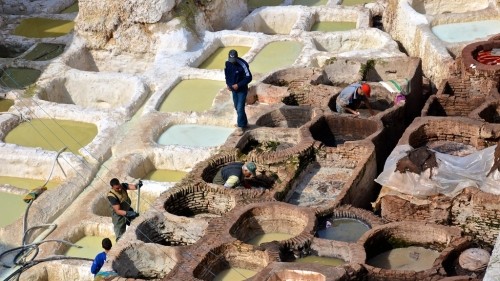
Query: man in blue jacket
pixel 238 76
pixel 101 257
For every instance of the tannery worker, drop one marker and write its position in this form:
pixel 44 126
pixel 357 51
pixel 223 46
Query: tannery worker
pixel 350 98
pixel 234 174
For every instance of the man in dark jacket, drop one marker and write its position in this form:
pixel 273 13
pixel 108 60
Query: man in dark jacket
pixel 122 213
pixel 238 76
pixel 234 174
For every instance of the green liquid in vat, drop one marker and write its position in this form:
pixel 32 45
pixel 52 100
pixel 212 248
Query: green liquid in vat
pixel 41 27
pixel 218 58
pixel 253 4
pixel 18 78
pixel 45 51
pixel 192 95
pixel 410 258
pixel 327 26
pixel 234 274
pixel 321 260
pixel 343 229
pixel 355 2
pixel 26 183
pixel 276 55
pixel 52 134
pixel 71 9
pixel 12 207
pixel 268 237
pixel 5 104
pixel 195 135
pixel 165 175
pixel 91 247
pixel 310 2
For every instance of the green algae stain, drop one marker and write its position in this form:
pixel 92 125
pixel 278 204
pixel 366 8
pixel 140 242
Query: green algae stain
pixel 45 51
pixel 50 134
pixel 42 27
pixel 5 104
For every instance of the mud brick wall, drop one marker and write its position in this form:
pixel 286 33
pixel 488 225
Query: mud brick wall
pixel 436 210
pixel 483 78
pixel 478 214
pixel 453 99
pixel 385 142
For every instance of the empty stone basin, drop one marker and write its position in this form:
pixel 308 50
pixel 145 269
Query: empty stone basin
pixel 356 40
pixel 199 202
pixel 27 183
pixel 436 7
pixel 194 135
pixel 490 114
pixel 160 231
pixel 328 26
pixel 18 78
pixel 271 223
pixel 321 260
pixel 466 31
pixel 217 59
pixel 73 8
pixel 450 106
pixel 333 131
pixel 11 50
pixel 56 134
pixel 165 175
pixel 45 51
pixel 276 55
pixel 234 274
pixel 272 20
pixel 253 4
pixel 409 258
pixel 192 95
pixel 91 246
pixel 12 207
pixel 268 141
pixel 43 27
pixel 104 61
pixel 354 2
pixel 5 104
pixel 342 229
pixel 286 117
pixel 93 91
pixel 310 2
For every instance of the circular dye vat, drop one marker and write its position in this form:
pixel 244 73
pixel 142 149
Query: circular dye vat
pixel 269 237
pixel 354 2
pixel 343 229
pixel 5 104
pixel 253 4
pixel 485 57
pixel 466 31
pixel 195 135
pixel 12 207
pixel 192 95
pixel 410 258
pixel 73 8
pixel 327 26
pixel 45 51
pixel 26 183
pixel 91 246
pixel 234 274
pixel 276 55
pixel 42 27
pixel 165 175
pixel 52 134
pixel 18 78
pixel 218 58
pixel 321 260
pixel 310 2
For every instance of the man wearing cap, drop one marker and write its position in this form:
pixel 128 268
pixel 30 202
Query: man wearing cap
pixel 351 97
pixel 234 174
pixel 238 76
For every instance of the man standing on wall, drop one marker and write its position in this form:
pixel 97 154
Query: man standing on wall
pixel 123 213
pixel 238 76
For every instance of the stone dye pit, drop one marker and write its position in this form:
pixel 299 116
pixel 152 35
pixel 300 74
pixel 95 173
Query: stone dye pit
pixel 313 211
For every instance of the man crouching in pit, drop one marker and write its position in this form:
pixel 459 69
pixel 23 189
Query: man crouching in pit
pixel 235 174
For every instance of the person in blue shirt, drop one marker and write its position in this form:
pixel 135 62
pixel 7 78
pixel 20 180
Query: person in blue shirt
pixel 101 257
pixel 238 76
pixel 350 98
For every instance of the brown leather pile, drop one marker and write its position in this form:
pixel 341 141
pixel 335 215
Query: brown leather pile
pixel 417 160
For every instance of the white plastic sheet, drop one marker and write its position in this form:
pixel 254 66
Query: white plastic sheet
pixel 453 174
